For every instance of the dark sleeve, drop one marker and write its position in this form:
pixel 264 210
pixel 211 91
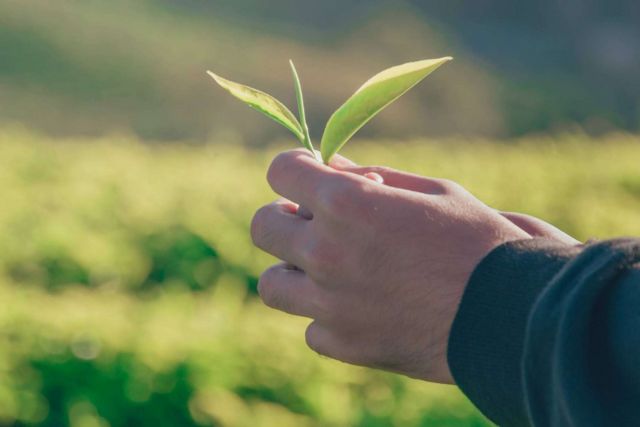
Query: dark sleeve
pixel 548 334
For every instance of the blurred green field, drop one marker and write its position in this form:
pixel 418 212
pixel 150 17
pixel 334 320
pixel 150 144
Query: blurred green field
pixel 128 278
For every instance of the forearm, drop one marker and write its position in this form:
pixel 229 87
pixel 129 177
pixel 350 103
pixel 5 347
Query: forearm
pixel 622 334
pixel 541 325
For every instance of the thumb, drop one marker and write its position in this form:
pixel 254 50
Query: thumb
pixel 346 165
pixel 409 181
pixel 340 162
pixel 395 178
pixel 538 228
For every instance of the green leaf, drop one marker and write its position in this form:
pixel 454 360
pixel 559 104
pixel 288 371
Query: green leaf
pixel 303 119
pixel 264 103
pixel 372 97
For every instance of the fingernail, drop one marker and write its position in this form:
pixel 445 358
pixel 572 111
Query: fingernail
pixel 373 176
pixel 304 212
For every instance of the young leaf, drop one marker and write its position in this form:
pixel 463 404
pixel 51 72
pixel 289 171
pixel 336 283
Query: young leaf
pixel 372 97
pixel 303 119
pixel 264 103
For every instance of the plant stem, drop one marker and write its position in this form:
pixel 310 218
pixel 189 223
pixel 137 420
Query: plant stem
pixel 303 119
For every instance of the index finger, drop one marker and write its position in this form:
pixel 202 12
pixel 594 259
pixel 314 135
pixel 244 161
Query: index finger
pixel 297 176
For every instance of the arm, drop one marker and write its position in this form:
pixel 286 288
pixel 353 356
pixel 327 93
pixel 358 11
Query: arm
pixel 549 334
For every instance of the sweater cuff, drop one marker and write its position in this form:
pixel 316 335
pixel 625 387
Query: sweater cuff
pixel 487 336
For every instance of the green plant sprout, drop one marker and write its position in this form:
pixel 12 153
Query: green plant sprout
pixel 372 97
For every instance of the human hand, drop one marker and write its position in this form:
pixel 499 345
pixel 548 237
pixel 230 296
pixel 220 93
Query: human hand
pixel 379 268
pixel 536 227
pixel 539 228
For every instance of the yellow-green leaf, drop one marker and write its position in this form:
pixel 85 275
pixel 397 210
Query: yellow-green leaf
pixel 264 103
pixel 372 97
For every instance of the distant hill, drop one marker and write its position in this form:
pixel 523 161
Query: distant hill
pixel 69 67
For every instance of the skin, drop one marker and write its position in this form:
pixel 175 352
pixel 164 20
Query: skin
pixel 378 258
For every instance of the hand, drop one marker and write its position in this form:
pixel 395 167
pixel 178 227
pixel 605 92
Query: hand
pixel 538 228
pixel 529 224
pixel 380 268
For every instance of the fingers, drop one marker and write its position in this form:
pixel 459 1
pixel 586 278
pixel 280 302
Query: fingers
pixel 373 176
pixel 292 291
pixel 538 228
pixel 319 339
pixel 398 179
pixel 326 342
pixel 289 290
pixel 277 230
pixel 338 161
pixel 304 212
pixel 322 190
pixel 296 175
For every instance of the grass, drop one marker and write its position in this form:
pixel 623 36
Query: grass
pixel 128 278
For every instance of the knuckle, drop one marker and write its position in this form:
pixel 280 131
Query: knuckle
pixel 319 257
pixel 278 166
pixel 340 196
pixel 326 306
pixel 448 186
pixel 312 338
pixel 266 288
pixel 314 256
pixel 258 226
pixel 382 170
pixel 282 164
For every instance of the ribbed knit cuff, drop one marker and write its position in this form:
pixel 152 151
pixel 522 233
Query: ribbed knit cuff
pixel 487 337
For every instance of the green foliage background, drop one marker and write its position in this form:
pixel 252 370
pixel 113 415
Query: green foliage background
pixel 127 275
pixel 127 278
